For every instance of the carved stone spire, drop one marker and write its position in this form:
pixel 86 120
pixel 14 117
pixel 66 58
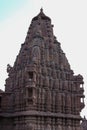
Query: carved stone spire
pixel 41 90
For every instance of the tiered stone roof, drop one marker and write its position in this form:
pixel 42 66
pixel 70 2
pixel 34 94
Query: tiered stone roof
pixel 42 91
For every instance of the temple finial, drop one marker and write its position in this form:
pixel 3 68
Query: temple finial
pixel 41 10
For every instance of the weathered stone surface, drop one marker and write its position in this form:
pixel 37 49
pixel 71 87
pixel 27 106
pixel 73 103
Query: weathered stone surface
pixel 41 90
pixel 84 124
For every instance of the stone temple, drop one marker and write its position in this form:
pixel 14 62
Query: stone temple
pixel 41 91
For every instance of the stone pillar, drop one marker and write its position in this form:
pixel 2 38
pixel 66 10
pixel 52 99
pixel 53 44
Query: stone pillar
pixel 51 82
pixel 68 103
pixel 59 126
pixel 56 84
pixel 58 102
pixel 69 128
pixel 68 125
pixel 48 100
pixel 72 103
pixel 63 102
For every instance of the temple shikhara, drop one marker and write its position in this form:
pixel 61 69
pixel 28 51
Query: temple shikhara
pixel 41 91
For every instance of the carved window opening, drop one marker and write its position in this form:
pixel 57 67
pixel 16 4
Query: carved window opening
pixel 81 86
pixel 81 100
pixel 30 92
pixel 30 74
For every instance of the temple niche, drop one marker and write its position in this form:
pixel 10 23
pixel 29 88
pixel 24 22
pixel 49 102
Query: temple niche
pixel 41 91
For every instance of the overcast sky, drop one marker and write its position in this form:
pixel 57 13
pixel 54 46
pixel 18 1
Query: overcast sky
pixel 70 27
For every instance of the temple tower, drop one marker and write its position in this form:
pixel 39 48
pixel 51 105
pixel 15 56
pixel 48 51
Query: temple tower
pixel 41 91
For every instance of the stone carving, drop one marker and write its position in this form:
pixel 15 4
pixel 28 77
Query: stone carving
pixel 36 55
pixel 84 124
pixel 41 91
pixel 9 68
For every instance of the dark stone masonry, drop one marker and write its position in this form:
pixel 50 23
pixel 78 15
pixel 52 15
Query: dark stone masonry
pixel 84 124
pixel 41 91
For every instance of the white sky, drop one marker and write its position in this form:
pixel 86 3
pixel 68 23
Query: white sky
pixel 70 27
